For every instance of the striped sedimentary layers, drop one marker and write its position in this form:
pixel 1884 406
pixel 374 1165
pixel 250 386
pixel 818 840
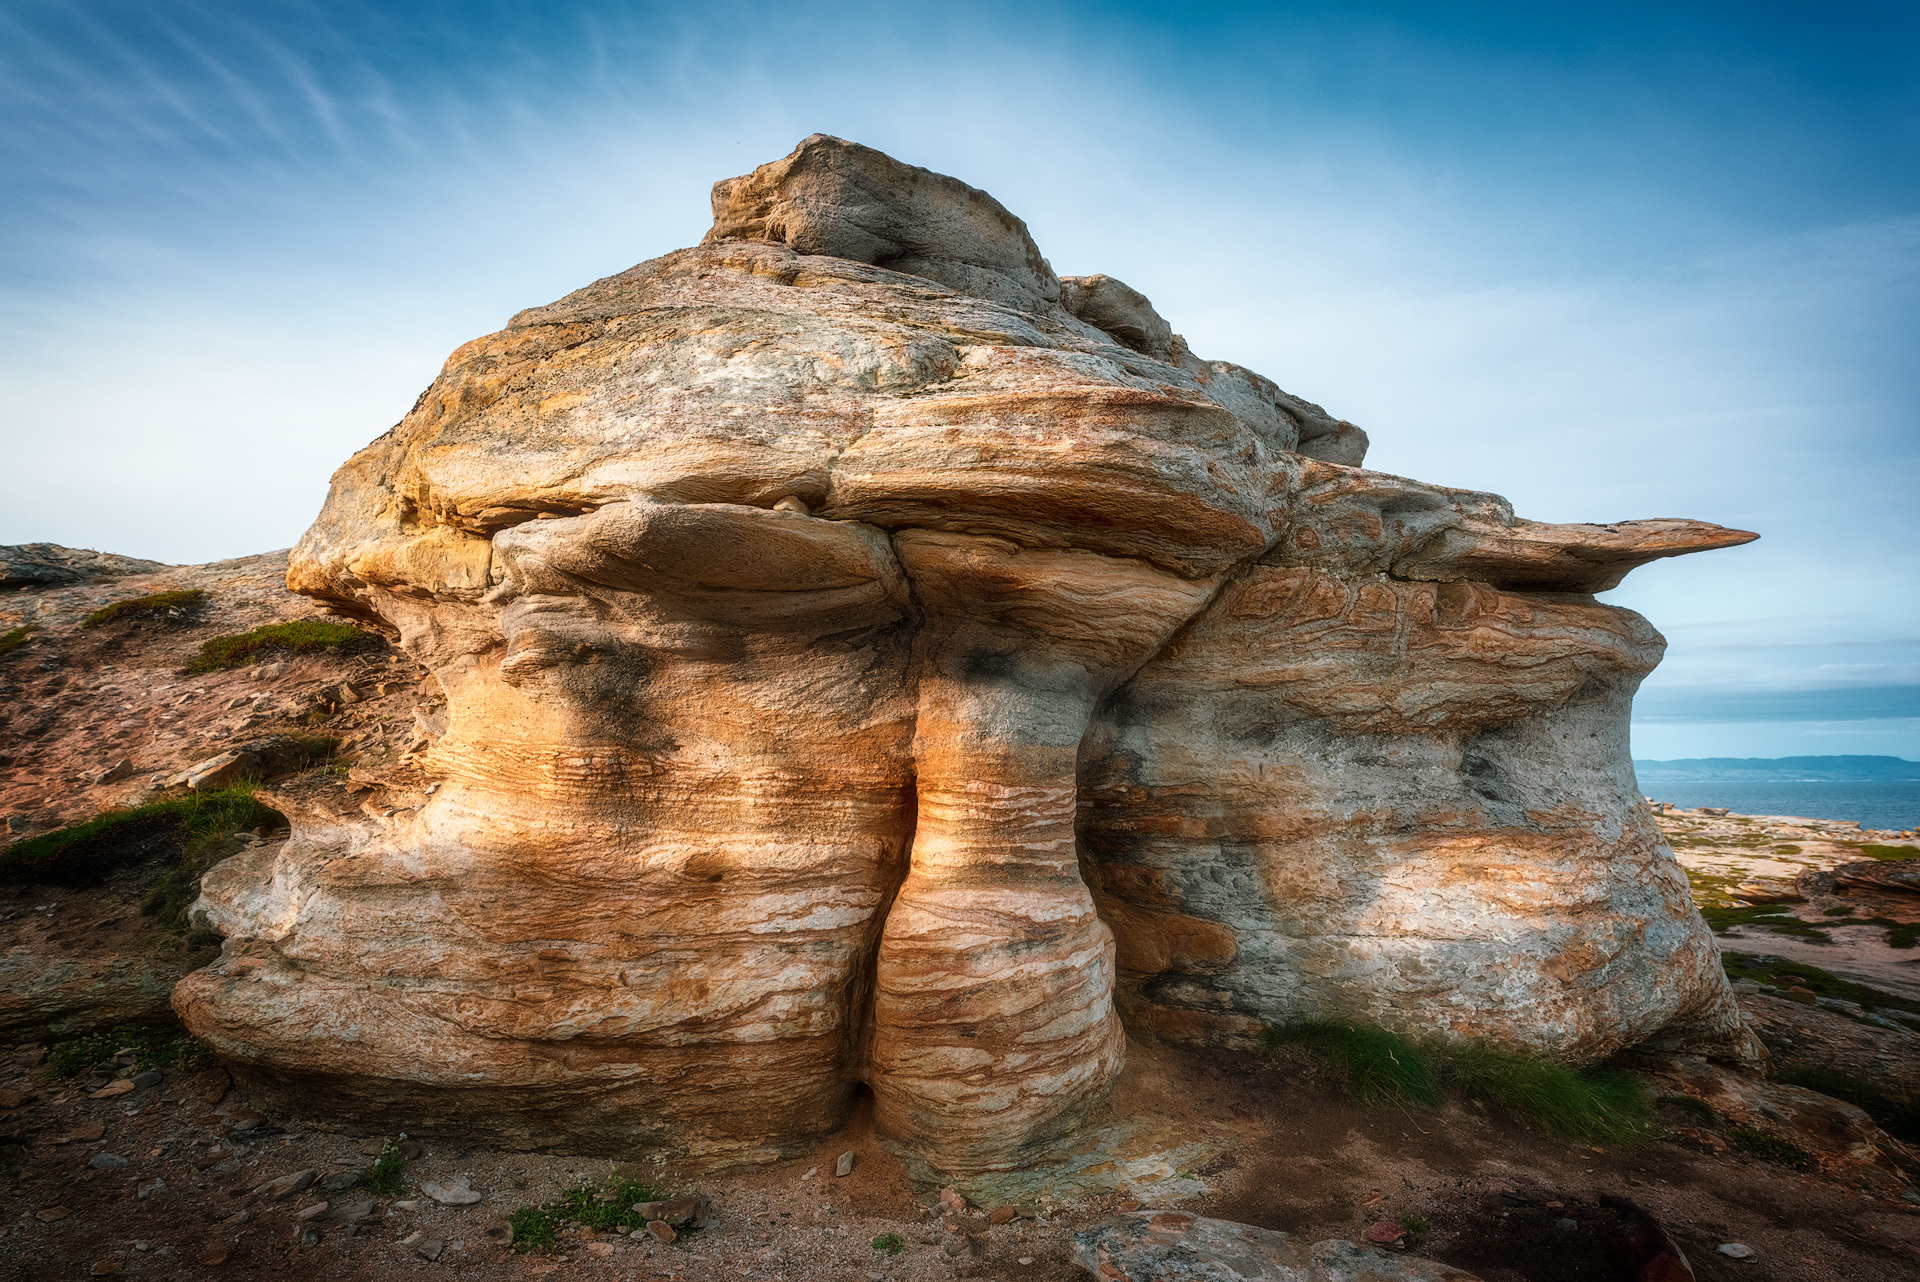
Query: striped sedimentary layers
pixel 871 660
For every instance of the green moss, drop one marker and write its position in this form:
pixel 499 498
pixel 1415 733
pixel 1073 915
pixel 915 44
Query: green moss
pixel 1873 851
pixel 387 1176
pixel 1778 973
pixel 187 835
pixel 1379 1067
pixel 177 606
pixel 1768 1147
pixel 1897 1113
pixel 165 1049
pixel 304 637
pixel 1599 1105
pixel 1844 910
pixel 15 639
pixel 890 1243
pixel 1774 917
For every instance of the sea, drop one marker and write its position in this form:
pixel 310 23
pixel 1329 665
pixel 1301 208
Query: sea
pixel 1889 804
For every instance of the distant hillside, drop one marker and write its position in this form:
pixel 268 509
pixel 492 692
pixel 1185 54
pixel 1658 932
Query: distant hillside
pixel 1777 770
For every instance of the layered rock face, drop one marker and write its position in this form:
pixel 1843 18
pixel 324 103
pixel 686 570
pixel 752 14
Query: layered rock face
pixel 872 660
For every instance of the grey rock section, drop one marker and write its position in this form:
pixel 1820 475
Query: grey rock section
pixel 1117 308
pixel 842 200
pixel 48 565
pixel 1160 1246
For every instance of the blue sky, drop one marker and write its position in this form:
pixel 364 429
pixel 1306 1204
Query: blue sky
pixel 1656 260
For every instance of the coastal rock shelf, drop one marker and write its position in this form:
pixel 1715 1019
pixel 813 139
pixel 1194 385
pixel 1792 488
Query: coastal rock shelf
pixel 871 659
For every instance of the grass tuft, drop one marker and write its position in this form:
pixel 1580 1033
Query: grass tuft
pixel 602 1207
pixel 172 606
pixel 304 636
pixel 1598 1105
pixel 890 1243
pixel 386 1177
pixel 1775 917
pixel 1380 1068
pixel 188 834
pixel 15 639
pixel 534 1229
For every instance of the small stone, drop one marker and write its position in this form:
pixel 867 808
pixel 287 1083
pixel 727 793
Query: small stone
pixel 143 1245
pixel 1385 1231
pixel 415 1236
pixel 312 1211
pixel 373 1148
pixel 151 1077
pixel 1002 1214
pixel 410 1149
pixel 408 1204
pixel 1805 996
pixel 311 1235
pixel 287 1185
pixel 429 1248
pixel 114 773
pixel 14 1099
pixel 103 1267
pixel 353 1212
pixel 845 1165
pixel 122 1087
pixel 107 1162
pixel 214 1256
pixel 600 1248
pixel 46 1215
pixel 453 1193
pixel 1566 1225
pixel 500 1234
pixel 1025 1259
pixel 811 1172
pixel 1738 1250
pixel 238 1217
pixel 339 1181
pixel 686 1211
pixel 151 1187
pixel 662 1231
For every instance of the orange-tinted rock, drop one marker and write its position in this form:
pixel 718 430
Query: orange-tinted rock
pixel 866 662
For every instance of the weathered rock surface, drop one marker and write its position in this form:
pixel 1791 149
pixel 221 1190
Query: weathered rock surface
pixel 869 659
pixel 46 565
pixel 1162 1246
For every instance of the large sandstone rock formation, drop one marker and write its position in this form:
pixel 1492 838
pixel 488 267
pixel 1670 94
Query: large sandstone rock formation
pixel 870 659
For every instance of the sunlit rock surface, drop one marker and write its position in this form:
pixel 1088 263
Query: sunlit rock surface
pixel 870 659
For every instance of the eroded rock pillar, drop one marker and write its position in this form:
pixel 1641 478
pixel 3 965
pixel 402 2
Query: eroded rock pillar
pixel 994 1019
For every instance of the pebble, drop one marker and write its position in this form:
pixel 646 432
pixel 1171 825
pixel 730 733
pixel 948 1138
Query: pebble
pixel 810 1174
pixel 662 1230
pixel 458 1192
pixel 153 1186
pixel 103 1267
pixel 215 1256
pixel 600 1248
pixel 149 1078
pixel 1025 1259
pixel 429 1248
pixel 408 1204
pixel 287 1185
pixel 311 1235
pixel 111 1089
pixel 1566 1226
pixel 1385 1231
pixel 312 1212
pixel 1001 1214
pixel 238 1217
pixel 339 1181
pixel 107 1162
pixel 845 1165
pixel 1738 1250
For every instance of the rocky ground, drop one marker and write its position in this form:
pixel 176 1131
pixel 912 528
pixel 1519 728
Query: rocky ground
pixel 151 1163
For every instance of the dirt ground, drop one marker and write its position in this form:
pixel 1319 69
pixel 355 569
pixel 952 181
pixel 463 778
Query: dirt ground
pixel 1480 1190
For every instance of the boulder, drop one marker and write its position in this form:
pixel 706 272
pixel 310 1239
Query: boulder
pixel 1174 1246
pixel 866 660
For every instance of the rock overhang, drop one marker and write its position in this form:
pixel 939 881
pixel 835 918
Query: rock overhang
pixel 869 656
